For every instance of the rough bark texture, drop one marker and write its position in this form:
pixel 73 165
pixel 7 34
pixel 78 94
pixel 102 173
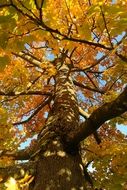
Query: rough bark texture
pixel 58 170
pixel 60 166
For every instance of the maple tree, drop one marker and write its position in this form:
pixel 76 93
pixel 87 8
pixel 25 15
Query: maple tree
pixel 63 75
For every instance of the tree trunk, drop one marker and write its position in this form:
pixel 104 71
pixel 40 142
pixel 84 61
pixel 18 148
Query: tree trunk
pixel 58 170
pixel 60 166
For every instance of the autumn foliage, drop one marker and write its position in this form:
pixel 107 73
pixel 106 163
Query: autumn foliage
pixel 91 34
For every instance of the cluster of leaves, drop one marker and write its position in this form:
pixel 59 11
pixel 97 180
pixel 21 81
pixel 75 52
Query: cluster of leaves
pixel 108 159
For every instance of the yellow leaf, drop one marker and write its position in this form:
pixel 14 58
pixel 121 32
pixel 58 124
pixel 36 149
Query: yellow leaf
pixel 11 184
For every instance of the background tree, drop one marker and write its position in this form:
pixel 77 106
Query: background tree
pixel 63 74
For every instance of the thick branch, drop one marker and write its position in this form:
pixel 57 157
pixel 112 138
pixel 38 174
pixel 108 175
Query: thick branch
pixel 86 115
pixel 99 116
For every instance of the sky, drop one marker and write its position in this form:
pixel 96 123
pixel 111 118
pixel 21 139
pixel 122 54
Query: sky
pixel 122 128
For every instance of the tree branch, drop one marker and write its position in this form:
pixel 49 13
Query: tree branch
pixel 65 37
pixel 39 4
pixel 122 57
pixel 5 5
pixel 86 42
pixel 83 113
pixel 86 116
pixel 92 65
pixel 105 24
pixel 26 93
pixel 35 112
pixel 29 59
pixel 35 20
pixel 99 116
pixel 87 87
pixel 91 80
pixel 24 154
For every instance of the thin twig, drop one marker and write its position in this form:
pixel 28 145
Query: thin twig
pixel 87 87
pixel 109 37
pixel 35 112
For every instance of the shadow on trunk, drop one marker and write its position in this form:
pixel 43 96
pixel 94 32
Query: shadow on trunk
pixel 58 170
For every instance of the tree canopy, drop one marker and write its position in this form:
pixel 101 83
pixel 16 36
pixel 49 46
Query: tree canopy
pixel 92 36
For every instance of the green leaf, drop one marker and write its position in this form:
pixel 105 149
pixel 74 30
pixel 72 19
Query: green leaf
pixel 4 19
pixel 4 60
pixel 113 9
pixel 3 116
pixel 93 10
pixel 3 40
pixel 85 31
pixel 117 187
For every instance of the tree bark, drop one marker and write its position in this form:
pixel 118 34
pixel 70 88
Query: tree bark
pixel 60 166
pixel 59 170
